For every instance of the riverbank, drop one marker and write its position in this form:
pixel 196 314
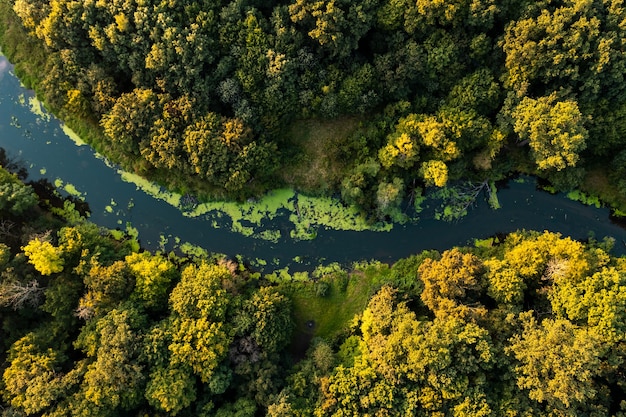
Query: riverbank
pixel 320 173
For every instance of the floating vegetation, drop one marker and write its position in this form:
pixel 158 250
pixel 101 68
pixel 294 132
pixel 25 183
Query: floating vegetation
pixel 131 235
pixel 258 262
pixel 72 135
pixel 42 171
pixel 483 243
pixel 117 234
pixel 306 214
pixel 283 275
pixel 15 123
pixel 36 107
pixel 313 212
pixel 270 235
pixel 194 251
pixel 70 189
pixel 151 188
pixel 584 198
pixel 619 213
pixel 494 203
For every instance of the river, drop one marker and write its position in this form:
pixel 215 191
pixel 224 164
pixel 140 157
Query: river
pixel 39 140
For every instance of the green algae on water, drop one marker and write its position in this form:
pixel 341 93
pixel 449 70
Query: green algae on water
pixel 619 213
pixel 36 107
pixel 71 190
pixel 194 251
pixel 494 203
pixel 151 188
pixel 72 135
pixel 584 198
pixel 307 214
pixel 483 243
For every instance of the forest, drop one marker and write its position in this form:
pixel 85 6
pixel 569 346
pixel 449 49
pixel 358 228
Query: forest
pixel 370 100
pixel 525 324
pixel 374 101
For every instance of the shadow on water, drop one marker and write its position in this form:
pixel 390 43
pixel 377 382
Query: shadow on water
pixel 47 153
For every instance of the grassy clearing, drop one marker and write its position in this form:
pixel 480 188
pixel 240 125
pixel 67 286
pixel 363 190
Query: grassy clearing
pixel 332 312
pixel 316 168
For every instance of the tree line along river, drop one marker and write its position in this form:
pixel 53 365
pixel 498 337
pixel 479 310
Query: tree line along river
pixel 262 232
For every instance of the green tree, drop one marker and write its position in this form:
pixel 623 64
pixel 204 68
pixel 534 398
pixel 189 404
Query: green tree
pixel 411 367
pixel 199 294
pixel 271 324
pixel 16 198
pixel 106 287
pixel 171 389
pixel 336 25
pixel 199 344
pixel 115 379
pixel 131 119
pixel 164 148
pixel 200 337
pixel 570 46
pixel 389 197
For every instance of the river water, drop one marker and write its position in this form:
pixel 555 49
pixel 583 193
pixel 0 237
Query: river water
pixel 39 141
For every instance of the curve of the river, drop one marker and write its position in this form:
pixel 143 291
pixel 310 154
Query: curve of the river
pixel 39 140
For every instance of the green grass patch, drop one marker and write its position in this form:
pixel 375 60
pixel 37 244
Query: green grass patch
pixel 316 168
pixel 332 308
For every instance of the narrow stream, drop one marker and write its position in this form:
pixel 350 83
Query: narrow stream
pixel 39 141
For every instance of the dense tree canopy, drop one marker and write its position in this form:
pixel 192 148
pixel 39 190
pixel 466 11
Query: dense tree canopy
pixel 210 96
pixel 534 324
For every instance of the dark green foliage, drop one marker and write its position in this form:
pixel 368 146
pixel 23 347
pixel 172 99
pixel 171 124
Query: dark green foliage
pixel 618 171
pixel 15 197
pixel 202 96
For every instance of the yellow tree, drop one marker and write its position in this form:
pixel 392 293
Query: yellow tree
pixel 557 362
pixel 554 130
pixel 153 275
pixel 435 172
pixel 31 381
pixel 46 258
pixel 452 283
